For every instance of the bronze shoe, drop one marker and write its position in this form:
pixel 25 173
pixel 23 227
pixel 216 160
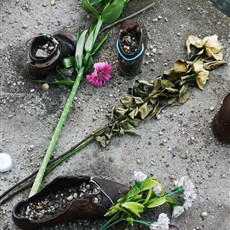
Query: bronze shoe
pixel 46 52
pixel 131 46
pixel 221 122
pixel 85 198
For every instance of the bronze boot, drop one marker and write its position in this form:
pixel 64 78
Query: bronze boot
pixel 67 199
pixel 221 122
pixel 131 46
pixel 46 52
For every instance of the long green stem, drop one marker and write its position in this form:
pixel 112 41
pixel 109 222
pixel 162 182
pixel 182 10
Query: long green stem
pixel 128 17
pixel 42 169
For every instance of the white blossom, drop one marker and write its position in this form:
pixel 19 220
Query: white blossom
pixel 177 211
pixel 161 224
pixel 189 191
pixel 139 176
pixel 157 190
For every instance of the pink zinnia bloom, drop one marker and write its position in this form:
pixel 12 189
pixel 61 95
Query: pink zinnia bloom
pixel 102 74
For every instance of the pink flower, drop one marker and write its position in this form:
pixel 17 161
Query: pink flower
pixel 102 74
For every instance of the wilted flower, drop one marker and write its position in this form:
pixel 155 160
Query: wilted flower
pixel 101 75
pixel 202 74
pixel 139 176
pixel 211 45
pixel 161 224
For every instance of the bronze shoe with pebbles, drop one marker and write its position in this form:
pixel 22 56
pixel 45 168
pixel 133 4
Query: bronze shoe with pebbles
pixel 221 122
pixel 67 199
pixel 131 46
pixel 46 52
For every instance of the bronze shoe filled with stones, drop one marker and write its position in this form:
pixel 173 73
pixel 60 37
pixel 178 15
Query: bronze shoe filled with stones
pixel 131 46
pixel 46 52
pixel 221 122
pixel 67 199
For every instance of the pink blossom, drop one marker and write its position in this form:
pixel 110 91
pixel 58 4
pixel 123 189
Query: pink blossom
pixel 102 74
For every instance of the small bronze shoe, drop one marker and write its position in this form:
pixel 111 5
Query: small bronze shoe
pixel 131 46
pixel 221 122
pixel 46 52
pixel 67 199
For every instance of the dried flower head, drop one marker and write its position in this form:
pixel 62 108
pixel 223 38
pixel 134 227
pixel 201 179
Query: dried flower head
pixel 201 74
pixel 102 74
pixel 210 45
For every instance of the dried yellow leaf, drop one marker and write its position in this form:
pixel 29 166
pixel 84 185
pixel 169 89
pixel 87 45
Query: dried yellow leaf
pixel 180 67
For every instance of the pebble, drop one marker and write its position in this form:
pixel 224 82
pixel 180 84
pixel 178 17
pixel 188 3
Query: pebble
pixel 52 2
pixel 45 87
pixel 158 117
pixel 69 198
pixel 211 108
pixel 138 161
pixel 204 214
pixel 75 195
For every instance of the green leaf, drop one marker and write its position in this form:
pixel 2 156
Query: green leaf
pixel 172 90
pixel 114 209
pixel 97 29
pixel 184 94
pixel 68 62
pixel 147 184
pixel 166 84
pixel 137 197
pixel 120 111
pixel 58 74
pixel 138 100
pixel 130 221
pixel 127 101
pixel 156 201
pixel 93 36
pixel 95 2
pixel 89 42
pixel 89 8
pixel 56 82
pixel 145 83
pixel 213 65
pixel 150 192
pixel 134 122
pixel 144 111
pixel 89 63
pixel 134 113
pixel 79 49
pixel 128 128
pixel 113 11
pixel 134 207
pixel 99 45
pixel 170 200
pixel 102 140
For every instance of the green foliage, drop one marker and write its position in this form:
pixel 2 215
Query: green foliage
pixel 80 49
pixel 112 11
pixel 88 7
pixel 140 198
